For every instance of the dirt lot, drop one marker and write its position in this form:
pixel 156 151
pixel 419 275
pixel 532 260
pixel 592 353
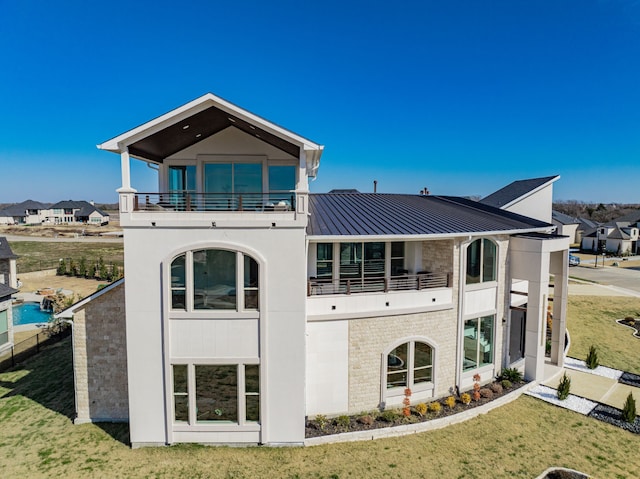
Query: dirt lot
pixel 61 231
pixel 80 286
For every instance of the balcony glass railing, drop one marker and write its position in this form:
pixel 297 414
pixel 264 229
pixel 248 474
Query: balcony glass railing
pixel 316 287
pixel 277 201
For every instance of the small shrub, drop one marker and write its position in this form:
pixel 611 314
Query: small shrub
pixel 476 395
pixel 496 388
pixel 512 374
pixel 629 409
pixel 486 393
pixel 435 407
pixel 421 409
pixel 506 384
pixel 592 358
pixel 465 398
pixel 367 420
pixel 564 386
pixel 343 422
pixel 389 415
pixel 321 421
pixel 450 402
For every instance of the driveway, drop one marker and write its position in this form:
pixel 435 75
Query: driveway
pixel 620 279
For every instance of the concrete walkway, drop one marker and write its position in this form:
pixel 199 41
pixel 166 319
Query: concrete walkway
pixel 599 385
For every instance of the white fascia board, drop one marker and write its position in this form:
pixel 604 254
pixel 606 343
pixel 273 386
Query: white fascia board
pixel 120 142
pixel 349 238
pixel 68 313
pixel 526 195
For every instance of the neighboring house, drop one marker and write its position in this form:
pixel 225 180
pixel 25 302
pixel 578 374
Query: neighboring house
pixel 532 197
pixel 28 212
pixel 585 227
pixel 567 225
pixel 250 303
pixel 70 211
pixel 8 283
pixel 616 237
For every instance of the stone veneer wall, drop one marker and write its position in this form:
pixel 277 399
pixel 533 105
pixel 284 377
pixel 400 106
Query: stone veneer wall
pixel 438 256
pixel 369 338
pixel 100 358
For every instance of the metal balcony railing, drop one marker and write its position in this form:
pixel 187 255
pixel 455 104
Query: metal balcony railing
pixel 188 201
pixel 316 287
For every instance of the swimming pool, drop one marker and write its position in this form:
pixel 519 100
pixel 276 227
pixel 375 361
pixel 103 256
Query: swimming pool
pixel 29 313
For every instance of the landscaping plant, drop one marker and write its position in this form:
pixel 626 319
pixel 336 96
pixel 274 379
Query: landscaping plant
pixel 511 374
pixel 629 409
pixel 406 411
pixel 564 387
pixel 592 358
pixel 450 402
pixel 421 409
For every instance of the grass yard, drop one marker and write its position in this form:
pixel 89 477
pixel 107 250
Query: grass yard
pixel 519 440
pixel 36 255
pixel 591 320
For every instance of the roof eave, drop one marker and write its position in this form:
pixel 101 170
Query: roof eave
pixel 119 143
pixel 529 193
pixel 541 229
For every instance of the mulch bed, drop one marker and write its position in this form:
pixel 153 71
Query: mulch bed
pixel 630 379
pixel 632 323
pixel 613 416
pixel 562 474
pixel 378 420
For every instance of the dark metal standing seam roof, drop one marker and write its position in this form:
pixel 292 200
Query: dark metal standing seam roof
pixel 514 191
pixel 6 291
pixel 376 214
pixel 5 249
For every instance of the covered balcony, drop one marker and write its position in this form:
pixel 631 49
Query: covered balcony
pixel 362 278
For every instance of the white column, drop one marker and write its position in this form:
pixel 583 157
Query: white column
pixel 535 337
pixel 125 170
pixel 560 268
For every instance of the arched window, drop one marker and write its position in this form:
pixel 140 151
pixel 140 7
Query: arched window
pixel 214 279
pixel 409 364
pixel 481 261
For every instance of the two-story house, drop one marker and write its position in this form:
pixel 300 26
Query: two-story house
pixel 8 285
pixel 251 303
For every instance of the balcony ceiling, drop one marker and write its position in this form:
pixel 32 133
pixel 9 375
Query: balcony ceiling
pixel 183 134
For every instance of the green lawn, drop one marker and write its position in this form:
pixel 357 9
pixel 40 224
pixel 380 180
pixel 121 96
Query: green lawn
pixel 591 320
pixel 39 255
pixel 520 440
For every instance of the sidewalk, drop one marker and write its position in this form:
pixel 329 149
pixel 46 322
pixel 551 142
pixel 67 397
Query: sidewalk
pixel 588 387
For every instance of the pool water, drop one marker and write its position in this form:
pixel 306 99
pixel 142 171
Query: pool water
pixel 29 313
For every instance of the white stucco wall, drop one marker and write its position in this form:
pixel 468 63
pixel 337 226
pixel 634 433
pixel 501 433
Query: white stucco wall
pixel 327 367
pixel 538 205
pixel 282 328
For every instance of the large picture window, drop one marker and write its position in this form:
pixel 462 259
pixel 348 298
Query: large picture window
pixel 478 342
pixel 409 364
pixel 209 277
pixel 481 261
pixel 218 397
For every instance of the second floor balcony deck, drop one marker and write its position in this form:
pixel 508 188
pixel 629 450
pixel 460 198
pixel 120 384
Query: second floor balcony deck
pixel 407 282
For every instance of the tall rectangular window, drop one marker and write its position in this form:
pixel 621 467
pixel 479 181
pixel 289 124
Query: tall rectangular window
pixel 350 260
pixel 178 283
pixel 252 392
pixel 282 181
pixel 374 254
pixel 251 286
pixel 397 258
pixel 4 327
pixel 180 393
pixel 324 260
pixel 478 342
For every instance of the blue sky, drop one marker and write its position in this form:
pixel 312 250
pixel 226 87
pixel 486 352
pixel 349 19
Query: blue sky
pixel 462 97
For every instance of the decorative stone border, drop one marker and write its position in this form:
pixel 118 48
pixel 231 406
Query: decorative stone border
pixel 636 332
pixel 574 474
pixel 430 425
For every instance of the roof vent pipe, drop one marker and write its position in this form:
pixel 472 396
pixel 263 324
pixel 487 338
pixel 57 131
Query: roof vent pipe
pixel 375 186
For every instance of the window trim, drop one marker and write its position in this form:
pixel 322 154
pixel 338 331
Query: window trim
pixel 425 386
pixel 484 367
pixel 189 310
pixel 242 424
pixel 480 282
